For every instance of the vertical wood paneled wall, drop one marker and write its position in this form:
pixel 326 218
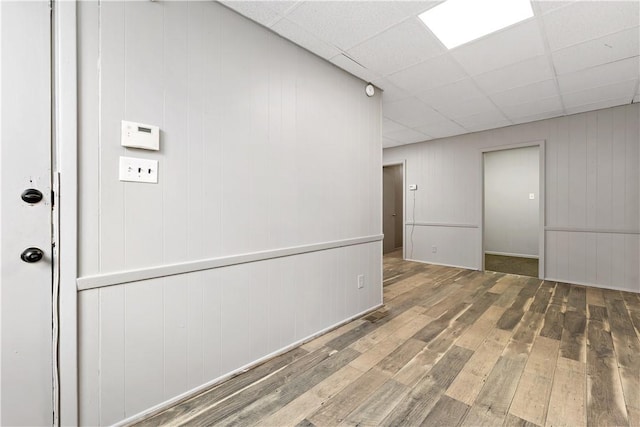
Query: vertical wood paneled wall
pixel 263 146
pixel 592 196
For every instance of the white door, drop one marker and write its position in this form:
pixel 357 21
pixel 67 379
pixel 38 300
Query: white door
pixel 26 385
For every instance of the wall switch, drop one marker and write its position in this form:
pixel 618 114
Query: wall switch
pixel 434 249
pixel 138 135
pixel 360 281
pixel 532 196
pixel 138 170
pixel 413 187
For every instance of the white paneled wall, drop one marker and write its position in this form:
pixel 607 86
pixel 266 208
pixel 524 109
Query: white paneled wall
pixel 592 195
pixel 264 146
pixel 249 122
pixel 155 339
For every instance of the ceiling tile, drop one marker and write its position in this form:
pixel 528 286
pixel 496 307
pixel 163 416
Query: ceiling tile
pixel 483 121
pixel 389 125
pixel 529 93
pixel 302 37
pixel 617 90
pixel 280 6
pixel 610 48
pixel 411 113
pixel 415 7
pixel 390 92
pixel 453 92
pixel 442 129
pixel 545 6
pixel 259 11
pixel 515 75
pixel 601 75
pixel 345 23
pixel 399 47
pixel 466 107
pixel 509 46
pixel 407 136
pixel 528 109
pixel 432 73
pixel 597 105
pixel 536 117
pixel 354 68
pixel 586 20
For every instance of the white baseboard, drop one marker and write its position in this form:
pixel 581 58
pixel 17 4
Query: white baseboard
pixel 592 285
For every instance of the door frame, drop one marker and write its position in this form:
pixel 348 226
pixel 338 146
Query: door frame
pixel 402 163
pixel 541 198
pixel 64 151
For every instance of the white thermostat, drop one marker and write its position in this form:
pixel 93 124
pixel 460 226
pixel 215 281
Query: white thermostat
pixel 138 135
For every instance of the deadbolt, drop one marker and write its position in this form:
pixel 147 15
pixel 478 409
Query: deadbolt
pixel 32 255
pixel 31 195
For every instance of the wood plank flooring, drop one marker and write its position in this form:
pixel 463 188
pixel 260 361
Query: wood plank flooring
pixel 451 347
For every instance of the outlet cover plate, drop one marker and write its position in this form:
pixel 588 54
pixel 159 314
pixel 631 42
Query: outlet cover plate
pixel 138 170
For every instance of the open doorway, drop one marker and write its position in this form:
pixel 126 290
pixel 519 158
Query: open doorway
pixel 512 211
pixel 393 210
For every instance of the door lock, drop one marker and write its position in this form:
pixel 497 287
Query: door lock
pixel 31 195
pixel 31 255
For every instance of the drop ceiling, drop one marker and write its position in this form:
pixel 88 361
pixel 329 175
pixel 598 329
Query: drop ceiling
pixel 571 57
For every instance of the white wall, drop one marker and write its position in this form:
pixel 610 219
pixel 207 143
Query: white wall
pixel 592 190
pixel 511 223
pixel 262 145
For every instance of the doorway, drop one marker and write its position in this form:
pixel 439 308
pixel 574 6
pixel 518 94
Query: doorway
pixel 512 211
pixel 393 209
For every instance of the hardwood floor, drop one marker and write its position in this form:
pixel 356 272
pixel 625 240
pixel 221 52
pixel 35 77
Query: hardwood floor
pixel 451 347
pixel 511 265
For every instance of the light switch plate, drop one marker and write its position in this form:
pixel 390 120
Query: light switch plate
pixel 139 135
pixel 138 170
pixel 532 196
pixel 413 187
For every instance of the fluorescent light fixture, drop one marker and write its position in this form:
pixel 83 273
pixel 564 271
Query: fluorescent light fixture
pixel 457 22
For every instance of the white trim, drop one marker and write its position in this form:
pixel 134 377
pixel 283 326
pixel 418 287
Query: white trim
pixel 591 285
pixel 65 114
pixel 120 277
pixel 442 224
pixel 402 163
pixel 593 230
pixel 154 410
pixel 511 254
pixel 541 205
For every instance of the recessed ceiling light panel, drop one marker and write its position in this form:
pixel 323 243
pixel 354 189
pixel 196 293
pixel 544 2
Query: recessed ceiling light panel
pixel 456 22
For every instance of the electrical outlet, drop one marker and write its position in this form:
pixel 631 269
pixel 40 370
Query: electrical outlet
pixel 434 249
pixel 138 170
pixel 532 196
pixel 360 281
